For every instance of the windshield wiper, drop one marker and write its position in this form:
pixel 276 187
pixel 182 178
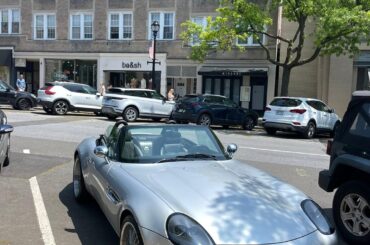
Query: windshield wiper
pixel 188 157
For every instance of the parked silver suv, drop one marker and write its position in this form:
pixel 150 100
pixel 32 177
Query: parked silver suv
pixel 61 97
pixel 134 103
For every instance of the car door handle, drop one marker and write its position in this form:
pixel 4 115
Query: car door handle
pixel 69 95
pixel 112 196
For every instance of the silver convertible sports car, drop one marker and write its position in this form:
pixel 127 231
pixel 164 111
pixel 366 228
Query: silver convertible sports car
pixel 176 184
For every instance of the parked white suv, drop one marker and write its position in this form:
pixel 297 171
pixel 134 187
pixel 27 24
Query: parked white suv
pixel 61 97
pixel 302 115
pixel 134 103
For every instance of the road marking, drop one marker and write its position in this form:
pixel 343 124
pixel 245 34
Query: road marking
pixel 301 172
pixel 26 151
pixel 290 152
pixel 42 215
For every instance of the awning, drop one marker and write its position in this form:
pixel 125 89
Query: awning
pixel 229 71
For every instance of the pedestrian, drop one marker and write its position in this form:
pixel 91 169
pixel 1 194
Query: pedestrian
pixel 143 83
pixel 102 89
pixel 171 94
pixel 21 84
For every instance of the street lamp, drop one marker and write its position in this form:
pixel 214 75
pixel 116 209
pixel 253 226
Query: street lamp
pixel 155 28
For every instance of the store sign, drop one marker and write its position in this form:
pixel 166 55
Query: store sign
pixel 20 62
pixel 131 65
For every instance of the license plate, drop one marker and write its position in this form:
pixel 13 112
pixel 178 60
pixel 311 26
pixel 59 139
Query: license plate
pixel 279 112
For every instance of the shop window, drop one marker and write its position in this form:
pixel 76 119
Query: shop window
pixel 167 25
pixel 45 26
pixel 81 27
pixel 9 21
pixel 120 26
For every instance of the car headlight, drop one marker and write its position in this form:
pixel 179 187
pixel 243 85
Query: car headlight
pixel 317 216
pixel 33 96
pixel 183 230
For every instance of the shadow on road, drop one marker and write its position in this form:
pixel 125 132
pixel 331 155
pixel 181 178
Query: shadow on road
pixel 90 224
pixel 329 213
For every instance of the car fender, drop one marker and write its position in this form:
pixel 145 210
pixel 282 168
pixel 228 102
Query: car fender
pixel 337 169
pixel 83 150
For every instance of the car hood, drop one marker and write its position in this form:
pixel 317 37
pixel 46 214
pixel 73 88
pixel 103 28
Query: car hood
pixel 233 202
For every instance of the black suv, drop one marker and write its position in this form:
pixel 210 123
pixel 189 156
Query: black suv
pixel 213 110
pixel 349 171
pixel 19 100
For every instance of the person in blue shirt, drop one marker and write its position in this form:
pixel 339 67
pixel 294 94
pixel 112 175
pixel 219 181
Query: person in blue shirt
pixel 21 83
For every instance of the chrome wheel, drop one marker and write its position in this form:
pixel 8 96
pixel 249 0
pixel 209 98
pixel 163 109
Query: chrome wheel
pixel 310 130
pixel 204 120
pixel 24 104
pixel 249 123
pixel 130 114
pixel 355 214
pixel 61 107
pixel 129 235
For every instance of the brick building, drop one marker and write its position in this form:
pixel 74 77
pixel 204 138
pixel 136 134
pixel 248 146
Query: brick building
pixel 94 41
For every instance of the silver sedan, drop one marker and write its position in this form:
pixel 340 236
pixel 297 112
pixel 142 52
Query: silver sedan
pixel 176 184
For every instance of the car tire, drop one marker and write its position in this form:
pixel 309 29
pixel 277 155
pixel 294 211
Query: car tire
pixel 332 133
pixel 270 131
pixel 47 110
pixel 310 130
pixel 130 233
pixel 112 118
pixel 204 119
pixel 24 104
pixel 347 217
pixel 79 190
pixel 156 119
pixel 248 124
pixel 130 114
pixel 60 107
pixel 6 161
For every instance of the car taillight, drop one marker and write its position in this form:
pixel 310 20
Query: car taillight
pixel 267 109
pixel 329 146
pixel 299 111
pixel 48 91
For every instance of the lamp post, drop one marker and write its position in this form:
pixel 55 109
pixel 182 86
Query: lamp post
pixel 155 28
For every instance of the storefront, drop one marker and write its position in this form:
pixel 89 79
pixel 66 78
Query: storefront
pixel 6 65
pixel 132 71
pixel 362 64
pixel 248 87
pixel 182 78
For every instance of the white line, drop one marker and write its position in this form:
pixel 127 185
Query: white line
pixel 42 215
pixel 26 151
pixel 290 152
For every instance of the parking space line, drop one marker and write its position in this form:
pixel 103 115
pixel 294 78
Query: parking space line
pixel 281 151
pixel 42 215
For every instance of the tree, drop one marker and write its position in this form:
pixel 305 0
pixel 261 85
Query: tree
pixel 340 27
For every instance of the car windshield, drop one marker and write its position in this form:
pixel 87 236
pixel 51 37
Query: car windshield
pixel 286 102
pixel 4 86
pixel 167 143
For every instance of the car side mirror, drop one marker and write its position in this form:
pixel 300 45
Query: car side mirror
pixel 101 151
pixel 231 149
pixel 4 129
pixel 331 111
pixel 98 94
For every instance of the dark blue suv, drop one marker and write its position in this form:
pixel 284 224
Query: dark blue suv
pixel 213 110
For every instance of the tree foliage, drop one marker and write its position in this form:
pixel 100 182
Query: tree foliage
pixel 340 26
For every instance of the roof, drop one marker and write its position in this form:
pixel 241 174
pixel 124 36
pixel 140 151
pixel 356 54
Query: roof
pixel 128 89
pixel 296 98
pixel 65 82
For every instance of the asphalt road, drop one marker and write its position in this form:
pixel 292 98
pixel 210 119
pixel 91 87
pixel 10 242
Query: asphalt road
pixel 43 145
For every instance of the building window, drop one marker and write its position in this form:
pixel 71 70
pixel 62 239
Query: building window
pixel 45 26
pixel 251 41
pixel 9 21
pixel 167 25
pixel 199 20
pixel 81 27
pixel 120 26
